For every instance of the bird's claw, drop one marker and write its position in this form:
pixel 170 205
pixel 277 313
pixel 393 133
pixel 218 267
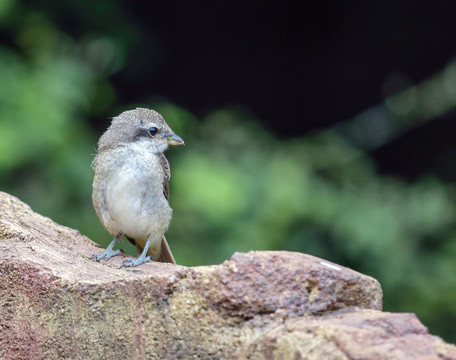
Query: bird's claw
pixel 135 262
pixel 107 254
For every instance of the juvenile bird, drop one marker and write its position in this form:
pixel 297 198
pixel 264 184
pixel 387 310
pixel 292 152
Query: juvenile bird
pixel 131 184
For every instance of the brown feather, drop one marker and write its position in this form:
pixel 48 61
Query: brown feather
pixel 167 172
pixel 166 255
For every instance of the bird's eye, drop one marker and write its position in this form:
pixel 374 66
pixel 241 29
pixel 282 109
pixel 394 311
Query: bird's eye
pixel 153 131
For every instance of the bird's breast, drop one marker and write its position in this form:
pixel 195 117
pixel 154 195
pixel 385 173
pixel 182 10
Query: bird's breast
pixel 131 180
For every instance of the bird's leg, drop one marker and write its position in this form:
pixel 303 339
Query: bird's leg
pixel 141 259
pixel 108 253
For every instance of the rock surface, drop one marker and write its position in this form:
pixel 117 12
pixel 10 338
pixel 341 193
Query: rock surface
pixel 56 303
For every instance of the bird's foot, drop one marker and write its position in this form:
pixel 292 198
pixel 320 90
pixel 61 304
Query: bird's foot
pixel 135 262
pixel 107 254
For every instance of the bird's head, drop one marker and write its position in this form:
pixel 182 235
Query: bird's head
pixel 139 125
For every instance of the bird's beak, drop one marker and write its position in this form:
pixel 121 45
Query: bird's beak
pixel 174 140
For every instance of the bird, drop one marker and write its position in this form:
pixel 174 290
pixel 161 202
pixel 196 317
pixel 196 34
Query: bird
pixel 130 189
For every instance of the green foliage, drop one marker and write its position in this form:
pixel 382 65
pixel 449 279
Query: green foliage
pixel 46 143
pixel 234 186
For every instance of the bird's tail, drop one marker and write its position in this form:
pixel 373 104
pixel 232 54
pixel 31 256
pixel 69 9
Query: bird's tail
pixel 166 255
pixel 165 252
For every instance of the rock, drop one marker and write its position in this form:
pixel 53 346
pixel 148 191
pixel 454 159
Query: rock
pixel 56 303
pixel 362 334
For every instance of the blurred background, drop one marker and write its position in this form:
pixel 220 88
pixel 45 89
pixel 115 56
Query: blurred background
pixel 324 127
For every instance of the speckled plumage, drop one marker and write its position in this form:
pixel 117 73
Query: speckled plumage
pixel 130 185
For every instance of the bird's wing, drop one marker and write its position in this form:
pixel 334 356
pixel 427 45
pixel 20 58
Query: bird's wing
pixel 166 170
pixel 165 255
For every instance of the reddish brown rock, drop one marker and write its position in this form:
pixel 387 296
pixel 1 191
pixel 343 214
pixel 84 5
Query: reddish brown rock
pixel 363 334
pixel 56 303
